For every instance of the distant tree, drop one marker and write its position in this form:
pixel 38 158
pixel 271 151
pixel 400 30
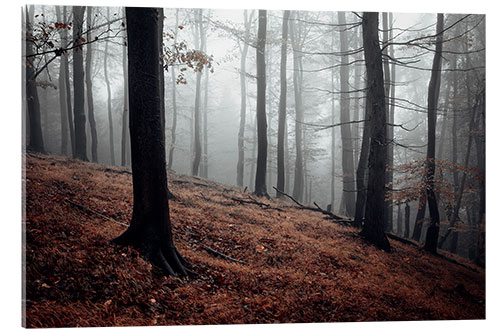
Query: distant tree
pixel 345 128
pixel 243 46
pixel 282 106
pixel 260 176
pixel 80 151
pixel 174 100
pixel 109 97
pixel 150 229
pixel 125 116
pixel 63 106
pixel 373 228
pixel 33 104
pixel 88 81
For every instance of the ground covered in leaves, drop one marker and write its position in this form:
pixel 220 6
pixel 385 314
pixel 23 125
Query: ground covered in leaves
pixel 294 265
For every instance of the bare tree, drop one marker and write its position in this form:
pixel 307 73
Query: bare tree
pixel 88 82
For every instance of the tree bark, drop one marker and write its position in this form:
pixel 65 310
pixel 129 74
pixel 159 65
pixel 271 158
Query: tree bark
pixel 88 81
pixel 80 151
pixel 432 235
pixel 62 92
pixel 407 221
pixel 260 176
pixel 362 166
pixel 345 128
pixel 280 185
pixel 373 228
pixel 150 229
pixel 64 59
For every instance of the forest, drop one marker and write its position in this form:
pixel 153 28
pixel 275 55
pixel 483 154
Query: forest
pixel 208 166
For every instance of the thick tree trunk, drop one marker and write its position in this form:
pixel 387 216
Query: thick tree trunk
pixel 432 235
pixel 80 151
pixel 373 228
pixel 345 128
pixel 174 100
pixel 282 106
pixel 88 81
pixel 35 125
pixel 150 229
pixel 260 176
pixel 298 182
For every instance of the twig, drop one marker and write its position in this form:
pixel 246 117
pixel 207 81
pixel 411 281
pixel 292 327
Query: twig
pixel 222 255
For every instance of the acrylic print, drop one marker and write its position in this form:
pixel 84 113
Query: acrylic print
pixel 207 166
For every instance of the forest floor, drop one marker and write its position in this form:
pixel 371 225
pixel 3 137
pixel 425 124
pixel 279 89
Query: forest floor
pixel 296 266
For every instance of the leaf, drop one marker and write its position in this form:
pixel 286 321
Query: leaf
pixel 181 27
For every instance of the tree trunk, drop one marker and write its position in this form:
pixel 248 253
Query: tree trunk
pixel 432 235
pixel 88 81
pixel 204 169
pixel 35 125
pixel 362 166
pixel 332 181
pixel 108 90
pixel 174 100
pixel 125 116
pixel 399 222
pixel 62 91
pixel 282 106
pixel 150 229
pixel 407 221
pixel 298 182
pixel 80 151
pixel 390 128
pixel 373 228
pixel 197 139
pixel 260 176
pixel 64 59
pixel 345 128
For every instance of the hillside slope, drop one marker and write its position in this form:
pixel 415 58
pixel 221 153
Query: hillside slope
pixel 295 265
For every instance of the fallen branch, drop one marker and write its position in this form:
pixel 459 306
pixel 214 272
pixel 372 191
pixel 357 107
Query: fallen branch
pixel 178 181
pixel 222 255
pixel 254 202
pixel 290 197
pixel 77 205
pixel 335 217
pixel 118 171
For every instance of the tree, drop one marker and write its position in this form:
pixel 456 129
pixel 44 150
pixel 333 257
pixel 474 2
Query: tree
pixel 432 235
pixel 260 175
pixel 150 229
pixel 33 104
pixel 282 106
pixel 88 81
pixel 298 180
pixel 373 228
pixel 174 100
pixel 80 151
pixel 197 101
pixel 345 128
pixel 62 91
pixel 124 143
pixel 108 90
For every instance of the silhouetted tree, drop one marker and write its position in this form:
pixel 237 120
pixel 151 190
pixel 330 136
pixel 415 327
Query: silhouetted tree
pixel 150 229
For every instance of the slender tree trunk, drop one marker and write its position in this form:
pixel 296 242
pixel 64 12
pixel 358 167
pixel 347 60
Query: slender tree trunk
pixel 399 221
pixel 407 220
pixel 35 125
pixel 62 92
pixel 282 106
pixel 345 128
pixel 125 116
pixel 432 235
pixel 260 177
pixel 64 59
pixel 240 166
pixel 390 117
pixel 108 90
pixel 88 81
pixel 150 229
pixel 205 130
pixel 361 181
pixel 298 183
pixel 174 100
pixel 80 151
pixel 373 228
pixel 332 182
pixel 197 139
